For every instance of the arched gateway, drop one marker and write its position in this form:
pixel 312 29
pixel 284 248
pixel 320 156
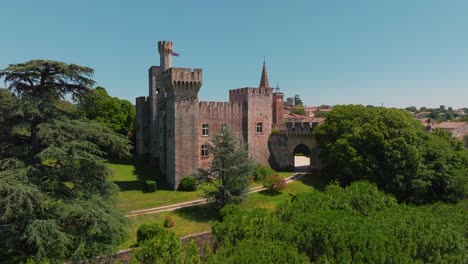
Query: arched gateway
pixel 294 147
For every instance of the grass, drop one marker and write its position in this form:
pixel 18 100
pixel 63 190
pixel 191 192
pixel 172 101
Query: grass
pixel 188 221
pixel 200 218
pixel 131 197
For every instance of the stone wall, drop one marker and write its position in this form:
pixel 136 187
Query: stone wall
pixel 259 110
pixel 215 114
pixel 142 126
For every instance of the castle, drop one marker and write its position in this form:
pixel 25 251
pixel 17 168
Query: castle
pixel 174 128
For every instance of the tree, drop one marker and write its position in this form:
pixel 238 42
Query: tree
pixel 56 200
pixel 356 224
pixel 390 148
pixel 299 110
pixel 110 111
pixel 229 170
pixel 260 251
pixel 297 100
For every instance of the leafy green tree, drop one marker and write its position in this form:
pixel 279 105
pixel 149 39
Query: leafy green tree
pixel 412 109
pixel 356 224
pixel 321 114
pixel 165 247
pixel 56 200
pixel 299 110
pixel 390 148
pixel 229 170
pixel 259 251
pixel 115 113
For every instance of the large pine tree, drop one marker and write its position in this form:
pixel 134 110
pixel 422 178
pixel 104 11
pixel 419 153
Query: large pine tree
pixel 229 170
pixel 56 201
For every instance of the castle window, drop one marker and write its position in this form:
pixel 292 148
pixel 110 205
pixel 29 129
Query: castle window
pixel 259 127
pixel 204 150
pixel 205 130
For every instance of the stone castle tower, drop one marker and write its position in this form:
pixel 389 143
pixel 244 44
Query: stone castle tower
pixel 174 128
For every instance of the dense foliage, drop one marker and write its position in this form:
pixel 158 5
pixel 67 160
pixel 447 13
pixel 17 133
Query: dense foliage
pixel 188 184
pixel 274 183
pixel 358 223
pixel 259 251
pixel 56 201
pixel 440 114
pixel 260 172
pixel 229 170
pixel 115 113
pixel 390 148
pixel 158 245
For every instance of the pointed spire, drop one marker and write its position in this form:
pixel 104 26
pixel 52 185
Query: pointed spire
pixel 264 79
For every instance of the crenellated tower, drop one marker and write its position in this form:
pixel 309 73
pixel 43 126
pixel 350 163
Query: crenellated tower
pixel 182 114
pixel 165 49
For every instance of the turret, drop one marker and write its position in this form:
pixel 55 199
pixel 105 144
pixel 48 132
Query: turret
pixel 165 52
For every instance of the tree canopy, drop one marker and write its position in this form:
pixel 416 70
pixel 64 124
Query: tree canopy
pixel 229 170
pixel 56 200
pixel 390 148
pixel 115 113
pixel 356 224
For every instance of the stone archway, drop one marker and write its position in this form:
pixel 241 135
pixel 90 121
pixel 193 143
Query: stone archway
pixel 302 156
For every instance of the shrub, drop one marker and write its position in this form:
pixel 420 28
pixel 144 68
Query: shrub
pixel 260 172
pixel 275 131
pixel 148 231
pixel 188 184
pixel 168 222
pixel 163 248
pixel 274 183
pixel 149 186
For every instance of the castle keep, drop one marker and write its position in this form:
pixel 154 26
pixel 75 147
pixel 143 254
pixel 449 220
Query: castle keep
pixel 174 128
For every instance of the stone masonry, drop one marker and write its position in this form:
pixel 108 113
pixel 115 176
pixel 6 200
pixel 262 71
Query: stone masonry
pixel 173 127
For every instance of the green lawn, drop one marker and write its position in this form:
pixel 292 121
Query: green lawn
pixel 131 197
pixel 200 218
pixel 188 221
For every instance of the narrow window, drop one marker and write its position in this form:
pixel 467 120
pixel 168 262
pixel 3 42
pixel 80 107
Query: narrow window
pixel 204 129
pixel 259 127
pixel 204 150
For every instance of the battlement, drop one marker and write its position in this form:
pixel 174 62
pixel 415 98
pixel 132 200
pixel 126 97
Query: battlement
pixel 250 90
pixel 212 104
pixel 300 128
pixel 165 47
pixel 142 99
pixel 182 77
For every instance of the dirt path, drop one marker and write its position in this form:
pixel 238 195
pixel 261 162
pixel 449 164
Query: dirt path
pixel 172 207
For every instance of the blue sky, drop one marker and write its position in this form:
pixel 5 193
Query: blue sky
pixel 399 52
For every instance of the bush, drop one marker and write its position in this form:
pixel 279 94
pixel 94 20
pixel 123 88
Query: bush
pixel 274 183
pixel 168 222
pixel 163 248
pixel 148 231
pixel 188 184
pixel 149 186
pixel 260 172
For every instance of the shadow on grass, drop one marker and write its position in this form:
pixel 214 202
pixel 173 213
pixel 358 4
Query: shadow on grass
pixel 129 185
pixel 145 171
pixel 269 193
pixel 199 213
pixel 316 180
